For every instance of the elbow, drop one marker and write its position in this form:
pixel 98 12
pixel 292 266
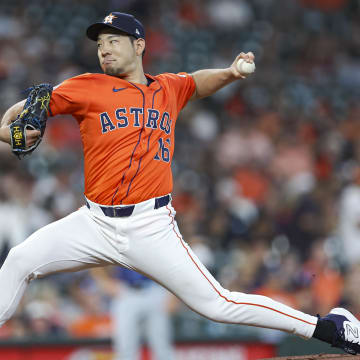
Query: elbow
pixel 198 95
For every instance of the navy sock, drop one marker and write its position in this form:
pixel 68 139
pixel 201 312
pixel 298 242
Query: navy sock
pixel 325 330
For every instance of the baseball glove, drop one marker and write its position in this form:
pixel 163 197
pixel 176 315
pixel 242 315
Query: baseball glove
pixel 32 117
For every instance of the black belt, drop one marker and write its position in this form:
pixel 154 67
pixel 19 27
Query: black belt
pixel 124 211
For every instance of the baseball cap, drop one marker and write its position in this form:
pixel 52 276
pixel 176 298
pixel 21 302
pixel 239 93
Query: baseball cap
pixel 120 21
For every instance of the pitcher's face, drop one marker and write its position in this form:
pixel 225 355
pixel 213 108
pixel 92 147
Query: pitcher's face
pixel 116 53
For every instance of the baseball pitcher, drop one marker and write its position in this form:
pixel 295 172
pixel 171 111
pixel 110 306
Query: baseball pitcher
pixel 127 122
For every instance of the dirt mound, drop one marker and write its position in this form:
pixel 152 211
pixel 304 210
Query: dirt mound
pixel 318 357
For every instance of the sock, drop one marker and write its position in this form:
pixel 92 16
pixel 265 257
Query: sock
pixel 325 330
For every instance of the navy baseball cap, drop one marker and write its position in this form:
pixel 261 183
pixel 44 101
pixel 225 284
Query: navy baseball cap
pixel 119 21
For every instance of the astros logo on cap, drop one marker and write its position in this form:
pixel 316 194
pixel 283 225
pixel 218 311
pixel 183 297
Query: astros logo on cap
pixel 109 19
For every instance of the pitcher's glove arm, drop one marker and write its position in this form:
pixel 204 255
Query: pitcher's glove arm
pixel 32 117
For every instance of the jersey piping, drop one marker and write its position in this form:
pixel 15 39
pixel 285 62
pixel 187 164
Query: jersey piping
pixel 132 155
pixel 148 144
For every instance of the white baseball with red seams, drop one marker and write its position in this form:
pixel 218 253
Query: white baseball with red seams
pixel 89 238
pixel 245 67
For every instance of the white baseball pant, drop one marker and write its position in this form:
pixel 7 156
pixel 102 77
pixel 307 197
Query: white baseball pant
pixel 148 241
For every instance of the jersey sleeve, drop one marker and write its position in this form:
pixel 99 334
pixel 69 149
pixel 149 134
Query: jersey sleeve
pixel 71 96
pixel 182 86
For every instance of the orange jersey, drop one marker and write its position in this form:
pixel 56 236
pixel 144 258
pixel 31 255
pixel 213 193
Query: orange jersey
pixel 127 132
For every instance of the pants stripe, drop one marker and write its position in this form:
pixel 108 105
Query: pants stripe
pixel 212 285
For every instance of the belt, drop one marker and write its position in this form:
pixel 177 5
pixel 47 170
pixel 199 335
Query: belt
pixel 127 210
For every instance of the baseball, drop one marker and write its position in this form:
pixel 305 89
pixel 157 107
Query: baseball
pixel 245 67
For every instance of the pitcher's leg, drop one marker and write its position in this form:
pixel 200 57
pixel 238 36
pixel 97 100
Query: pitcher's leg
pixel 171 262
pixel 234 307
pixel 65 245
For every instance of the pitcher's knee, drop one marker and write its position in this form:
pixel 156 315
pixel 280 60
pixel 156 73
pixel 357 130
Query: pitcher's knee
pixel 19 261
pixel 221 307
pixel 213 310
pixel 214 315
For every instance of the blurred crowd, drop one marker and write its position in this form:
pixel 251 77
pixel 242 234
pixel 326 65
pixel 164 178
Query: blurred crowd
pixel 267 171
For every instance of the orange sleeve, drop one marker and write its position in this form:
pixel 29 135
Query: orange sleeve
pixel 72 96
pixel 182 85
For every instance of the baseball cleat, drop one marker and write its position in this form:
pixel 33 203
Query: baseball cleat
pixel 347 334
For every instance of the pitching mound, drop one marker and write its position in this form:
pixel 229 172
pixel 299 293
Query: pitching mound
pixel 318 357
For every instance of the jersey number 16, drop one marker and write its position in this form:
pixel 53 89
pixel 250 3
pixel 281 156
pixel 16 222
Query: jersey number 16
pixel 163 152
